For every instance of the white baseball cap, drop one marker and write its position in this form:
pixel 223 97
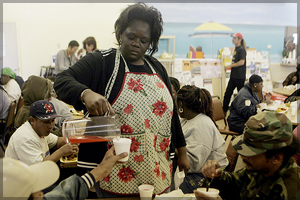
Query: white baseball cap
pixel 21 180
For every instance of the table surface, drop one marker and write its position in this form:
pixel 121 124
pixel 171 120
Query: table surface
pixel 294 119
pixel 283 91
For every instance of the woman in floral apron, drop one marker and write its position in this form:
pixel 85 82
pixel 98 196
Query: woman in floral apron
pixel 136 87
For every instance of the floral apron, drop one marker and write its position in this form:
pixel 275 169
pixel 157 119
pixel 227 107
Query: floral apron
pixel 145 107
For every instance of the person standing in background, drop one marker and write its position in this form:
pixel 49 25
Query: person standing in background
pixel 238 69
pixel 10 84
pixel 66 58
pixel 89 45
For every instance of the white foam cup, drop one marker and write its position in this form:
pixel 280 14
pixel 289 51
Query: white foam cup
pixel 122 145
pixel 212 192
pixel 146 191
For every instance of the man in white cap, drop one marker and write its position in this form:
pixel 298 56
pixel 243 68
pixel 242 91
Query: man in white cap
pixel 31 142
pixel 21 180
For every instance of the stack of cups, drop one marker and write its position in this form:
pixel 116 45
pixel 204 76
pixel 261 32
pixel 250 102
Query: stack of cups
pixel 122 145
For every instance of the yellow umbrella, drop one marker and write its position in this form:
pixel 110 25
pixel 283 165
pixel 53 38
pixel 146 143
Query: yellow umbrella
pixel 212 29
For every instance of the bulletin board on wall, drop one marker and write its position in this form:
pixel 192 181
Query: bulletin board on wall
pixel 203 73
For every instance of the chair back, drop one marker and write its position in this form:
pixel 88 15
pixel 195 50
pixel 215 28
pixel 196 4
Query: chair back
pixel 232 157
pixel 11 115
pixel 217 108
pixel 9 126
pixel 20 104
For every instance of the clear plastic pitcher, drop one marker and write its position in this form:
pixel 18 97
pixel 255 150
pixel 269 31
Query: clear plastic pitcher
pixel 90 129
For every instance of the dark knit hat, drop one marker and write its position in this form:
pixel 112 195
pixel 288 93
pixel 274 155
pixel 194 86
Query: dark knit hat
pixel 255 79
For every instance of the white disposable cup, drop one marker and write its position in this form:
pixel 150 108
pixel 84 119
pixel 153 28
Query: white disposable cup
pixel 212 192
pixel 146 191
pixel 122 145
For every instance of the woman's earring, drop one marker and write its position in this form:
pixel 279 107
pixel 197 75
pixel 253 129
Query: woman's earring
pixel 180 110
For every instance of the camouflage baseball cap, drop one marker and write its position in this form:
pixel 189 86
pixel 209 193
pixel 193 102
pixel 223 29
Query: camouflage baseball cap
pixel 264 131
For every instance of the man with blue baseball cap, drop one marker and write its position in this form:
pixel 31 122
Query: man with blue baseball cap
pixel 266 147
pixel 30 143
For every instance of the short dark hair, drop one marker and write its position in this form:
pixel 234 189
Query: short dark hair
pixel 73 43
pixel 287 151
pixel 175 83
pixel 141 12
pixel 89 41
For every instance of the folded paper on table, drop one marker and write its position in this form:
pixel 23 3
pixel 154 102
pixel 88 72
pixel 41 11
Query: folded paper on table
pixel 175 194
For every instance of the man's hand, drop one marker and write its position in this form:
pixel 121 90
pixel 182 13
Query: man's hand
pixel 227 67
pixel 68 149
pixel 268 96
pixel 212 169
pixel 96 104
pixel 105 167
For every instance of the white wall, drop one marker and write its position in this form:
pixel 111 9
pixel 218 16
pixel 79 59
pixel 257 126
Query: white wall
pixel 279 72
pixel 45 28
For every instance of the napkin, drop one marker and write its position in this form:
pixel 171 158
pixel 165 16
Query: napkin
pixel 170 195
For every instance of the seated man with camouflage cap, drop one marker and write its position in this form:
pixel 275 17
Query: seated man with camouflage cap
pixel 266 147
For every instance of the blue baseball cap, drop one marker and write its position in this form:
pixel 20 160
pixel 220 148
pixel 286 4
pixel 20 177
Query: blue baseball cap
pixel 43 110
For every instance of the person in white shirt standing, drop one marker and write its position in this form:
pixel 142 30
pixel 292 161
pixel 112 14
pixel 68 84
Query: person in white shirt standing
pixel 31 142
pixel 12 87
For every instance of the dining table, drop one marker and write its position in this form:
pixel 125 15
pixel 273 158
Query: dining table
pixel 292 114
pixel 284 91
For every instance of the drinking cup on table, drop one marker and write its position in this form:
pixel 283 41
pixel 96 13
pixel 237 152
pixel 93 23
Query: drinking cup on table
pixel 122 145
pixel 146 192
pixel 212 192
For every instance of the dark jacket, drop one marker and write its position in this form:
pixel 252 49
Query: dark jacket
pixel 242 107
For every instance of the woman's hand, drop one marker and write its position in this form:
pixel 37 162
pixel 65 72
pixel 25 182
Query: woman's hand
pixel 183 161
pixel 96 104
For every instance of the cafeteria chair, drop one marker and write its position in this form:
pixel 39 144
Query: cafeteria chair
pixel 9 124
pixel 219 115
pixel 232 157
pixel 20 104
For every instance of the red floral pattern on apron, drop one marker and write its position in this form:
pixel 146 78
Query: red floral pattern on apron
pixel 145 107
